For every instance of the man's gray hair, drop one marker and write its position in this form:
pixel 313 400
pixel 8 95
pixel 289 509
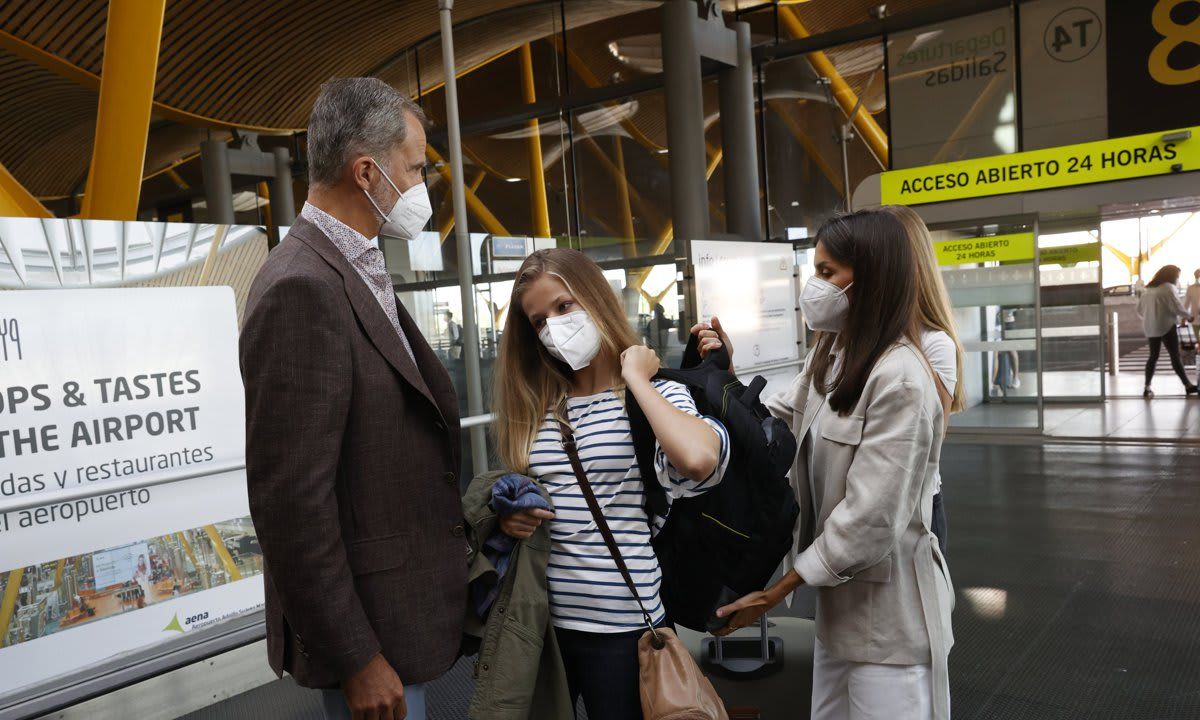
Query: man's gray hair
pixel 355 116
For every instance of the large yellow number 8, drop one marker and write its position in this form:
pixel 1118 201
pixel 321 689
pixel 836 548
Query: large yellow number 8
pixel 1174 35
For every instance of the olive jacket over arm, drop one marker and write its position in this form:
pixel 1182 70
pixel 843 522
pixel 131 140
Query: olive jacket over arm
pixel 519 674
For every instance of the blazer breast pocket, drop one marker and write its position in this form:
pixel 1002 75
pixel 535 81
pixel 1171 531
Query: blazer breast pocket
pixel 843 430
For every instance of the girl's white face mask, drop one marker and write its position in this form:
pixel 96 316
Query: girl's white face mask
pixel 824 305
pixel 572 338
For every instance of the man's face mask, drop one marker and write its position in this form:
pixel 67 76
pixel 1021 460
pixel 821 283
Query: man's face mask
pixel 409 213
pixel 572 338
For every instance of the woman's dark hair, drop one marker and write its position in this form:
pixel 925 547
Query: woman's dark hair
pixel 1166 275
pixel 882 302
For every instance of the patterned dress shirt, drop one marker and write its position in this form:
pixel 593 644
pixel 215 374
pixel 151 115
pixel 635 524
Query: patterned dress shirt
pixel 366 258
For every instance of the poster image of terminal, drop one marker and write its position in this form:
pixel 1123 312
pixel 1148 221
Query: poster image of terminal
pixel 57 596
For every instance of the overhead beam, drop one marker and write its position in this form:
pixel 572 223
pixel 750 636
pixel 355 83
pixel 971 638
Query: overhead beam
pixel 131 41
pixel 16 201
pixel 537 174
pixel 481 212
pixel 446 217
pixel 85 78
pixel 845 97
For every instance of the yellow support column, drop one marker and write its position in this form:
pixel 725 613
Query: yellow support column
pixel 446 221
pixel 223 553
pixel 845 97
pixel 16 201
pixel 537 178
pixel 489 221
pixel 9 604
pixel 214 247
pixel 623 199
pixel 131 42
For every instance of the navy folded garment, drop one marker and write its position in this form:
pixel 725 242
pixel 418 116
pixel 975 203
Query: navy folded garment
pixel 511 494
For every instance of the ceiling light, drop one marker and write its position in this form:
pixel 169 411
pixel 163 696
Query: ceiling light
pixel 512 179
pixel 662 151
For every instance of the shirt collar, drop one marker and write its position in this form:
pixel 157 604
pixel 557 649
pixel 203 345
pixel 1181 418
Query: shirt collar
pixel 349 241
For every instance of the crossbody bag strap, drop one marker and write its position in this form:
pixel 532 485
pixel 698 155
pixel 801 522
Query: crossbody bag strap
pixel 568 442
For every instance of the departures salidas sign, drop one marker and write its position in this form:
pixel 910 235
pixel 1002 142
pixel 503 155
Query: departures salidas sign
pixel 108 389
pixel 1081 164
pixel 954 80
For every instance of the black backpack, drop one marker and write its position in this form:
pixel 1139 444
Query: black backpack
pixel 726 543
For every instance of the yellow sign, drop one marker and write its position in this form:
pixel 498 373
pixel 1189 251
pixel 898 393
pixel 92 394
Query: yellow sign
pixel 1101 161
pixel 1015 247
pixel 1070 254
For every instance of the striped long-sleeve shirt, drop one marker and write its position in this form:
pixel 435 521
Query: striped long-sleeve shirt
pixel 586 589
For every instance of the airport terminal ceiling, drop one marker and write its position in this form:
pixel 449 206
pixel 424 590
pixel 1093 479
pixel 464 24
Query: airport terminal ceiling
pixel 224 70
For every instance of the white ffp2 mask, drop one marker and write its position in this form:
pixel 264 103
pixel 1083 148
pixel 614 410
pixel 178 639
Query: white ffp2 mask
pixel 410 213
pixel 824 305
pixel 572 338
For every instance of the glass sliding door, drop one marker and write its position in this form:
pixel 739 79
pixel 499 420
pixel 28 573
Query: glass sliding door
pixel 1072 313
pixel 990 271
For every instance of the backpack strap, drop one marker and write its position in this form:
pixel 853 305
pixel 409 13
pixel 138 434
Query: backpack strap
pixel 644 446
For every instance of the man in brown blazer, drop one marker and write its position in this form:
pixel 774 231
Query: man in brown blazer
pixel 352 429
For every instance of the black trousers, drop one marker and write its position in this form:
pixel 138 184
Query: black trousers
pixel 1171 341
pixel 603 668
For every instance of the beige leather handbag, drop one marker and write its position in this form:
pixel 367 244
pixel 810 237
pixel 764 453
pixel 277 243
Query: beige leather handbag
pixel 672 686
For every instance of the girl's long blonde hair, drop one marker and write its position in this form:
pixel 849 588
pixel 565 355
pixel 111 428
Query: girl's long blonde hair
pixel 528 380
pixel 933 302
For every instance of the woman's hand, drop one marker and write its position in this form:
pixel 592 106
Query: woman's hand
pixel 746 610
pixel 712 336
pixel 638 364
pixel 523 524
pixel 753 606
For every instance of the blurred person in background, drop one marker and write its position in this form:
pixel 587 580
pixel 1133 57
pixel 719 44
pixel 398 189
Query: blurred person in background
pixel 1160 311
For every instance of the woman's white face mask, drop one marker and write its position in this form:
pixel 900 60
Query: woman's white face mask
pixel 572 338
pixel 824 305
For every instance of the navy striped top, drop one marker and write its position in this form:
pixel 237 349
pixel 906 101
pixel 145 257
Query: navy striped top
pixel 586 589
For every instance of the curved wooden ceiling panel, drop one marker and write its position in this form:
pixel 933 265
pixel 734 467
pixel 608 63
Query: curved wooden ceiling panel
pixel 48 126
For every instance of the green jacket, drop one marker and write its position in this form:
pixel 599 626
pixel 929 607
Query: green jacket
pixel 519 673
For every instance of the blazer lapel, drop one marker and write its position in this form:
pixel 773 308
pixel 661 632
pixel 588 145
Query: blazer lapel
pixel 431 369
pixel 374 320
pixel 815 401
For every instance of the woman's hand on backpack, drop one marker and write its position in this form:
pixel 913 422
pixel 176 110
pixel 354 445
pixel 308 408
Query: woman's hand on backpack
pixel 638 364
pixel 523 524
pixel 712 336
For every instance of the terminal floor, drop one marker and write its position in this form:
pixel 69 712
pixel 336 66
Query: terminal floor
pixel 1078 577
pixel 1128 418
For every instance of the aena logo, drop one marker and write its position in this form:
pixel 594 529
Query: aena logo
pixel 176 626
pixel 10 340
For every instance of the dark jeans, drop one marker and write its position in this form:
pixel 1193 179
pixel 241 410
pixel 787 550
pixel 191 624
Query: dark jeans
pixel 603 668
pixel 1171 341
pixel 939 522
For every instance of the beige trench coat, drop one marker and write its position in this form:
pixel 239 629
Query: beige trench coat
pixel 885 594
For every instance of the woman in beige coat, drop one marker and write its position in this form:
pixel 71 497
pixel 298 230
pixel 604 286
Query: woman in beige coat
pixel 867 413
